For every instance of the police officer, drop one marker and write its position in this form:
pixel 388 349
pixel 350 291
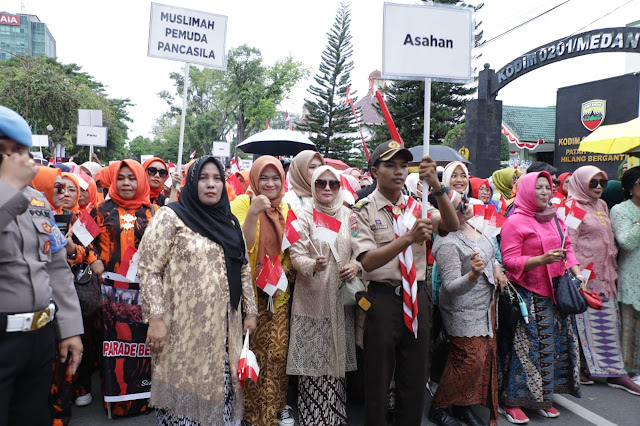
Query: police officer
pixel 36 286
pixel 391 341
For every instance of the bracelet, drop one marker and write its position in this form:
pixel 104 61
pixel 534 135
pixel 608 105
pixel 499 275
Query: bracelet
pixel 441 191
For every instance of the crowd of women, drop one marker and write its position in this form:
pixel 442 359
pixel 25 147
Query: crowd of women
pixel 202 246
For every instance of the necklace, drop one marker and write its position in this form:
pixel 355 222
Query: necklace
pixel 127 221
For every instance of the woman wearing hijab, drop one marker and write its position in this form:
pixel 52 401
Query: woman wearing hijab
pixel 414 185
pixel 563 186
pixel 262 215
pixel 467 302
pixel 157 174
pixel 48 180
pixel 89 197
pixel 195 287
pixel 613 194
pixel 593 243
pixel 456 177
pixel 300 171
pixel 543 356
pixel 322 342
pixel 91 168
pixel 625 220
pixel 503 181
pixel 123 219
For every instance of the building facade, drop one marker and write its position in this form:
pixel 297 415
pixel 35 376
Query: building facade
pixel 26 35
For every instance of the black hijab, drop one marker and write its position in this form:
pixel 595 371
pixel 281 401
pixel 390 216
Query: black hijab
pixel 215 222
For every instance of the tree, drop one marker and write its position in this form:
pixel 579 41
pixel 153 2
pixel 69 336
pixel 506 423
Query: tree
pixel 330 122
pixel 52 93
pixel 240 99
pixel 405 100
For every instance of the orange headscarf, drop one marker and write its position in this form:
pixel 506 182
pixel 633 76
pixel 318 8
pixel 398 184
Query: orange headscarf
pixel 75 208
pixel 245 176
pixel 97 179
pixel 155 191
pixel 271 220
pixel 44 181
pixel 94 199
pixel 230 192
pixel 141 196
pixel 106 174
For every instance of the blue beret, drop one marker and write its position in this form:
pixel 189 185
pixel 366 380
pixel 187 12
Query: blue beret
pixel 14 127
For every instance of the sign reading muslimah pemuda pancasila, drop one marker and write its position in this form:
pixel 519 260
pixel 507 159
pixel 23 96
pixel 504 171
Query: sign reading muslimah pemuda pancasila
pixel 188 36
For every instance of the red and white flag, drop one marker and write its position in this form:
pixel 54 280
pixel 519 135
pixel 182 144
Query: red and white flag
pixel 561 209
pixel 83 179
pixel 372 89
pixel 235 184
pixel 267 126
pixel 291 231
pixel 234 166
pixel 52 161
pixel 129 264
pixel 291 125
pixel 493 222
pixel 555 201
pixel 588 273
pixel 574 216
pixel 248 364
pixel 479 210
pixel 277 276
pixel 286 118
pixel 325 228
pixel 85 229
pixel 263 278
pixel 193 155
pixel 411 213
pixel 348 193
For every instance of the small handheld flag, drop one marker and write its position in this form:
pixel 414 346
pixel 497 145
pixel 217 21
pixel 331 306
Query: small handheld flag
pixel 326 227
pixel 85 229
pixel 411 213
pixel 291 231
pixel 248 364
pixel 129 263
pixel 575 216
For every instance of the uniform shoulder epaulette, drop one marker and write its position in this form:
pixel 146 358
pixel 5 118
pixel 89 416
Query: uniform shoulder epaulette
pixel 360 204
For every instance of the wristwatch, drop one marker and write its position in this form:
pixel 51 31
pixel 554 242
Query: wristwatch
pixel 441 191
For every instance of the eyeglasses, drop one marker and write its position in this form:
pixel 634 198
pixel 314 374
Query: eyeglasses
pixel 60 188
pixel 152 171
pixel 321 184
pixel 593 183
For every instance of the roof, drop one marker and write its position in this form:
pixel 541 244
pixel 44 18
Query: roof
pixel 531 123
pixel 368 111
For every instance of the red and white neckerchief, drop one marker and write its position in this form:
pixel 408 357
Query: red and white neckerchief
pixel 408 270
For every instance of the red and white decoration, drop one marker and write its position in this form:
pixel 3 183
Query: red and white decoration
pixel 325 228
pixel 129 264
pixel 291 231
pixel 412 213
pixel 574 216
pixel 83 178
pixel 263 278
pixel 85 229
pixel 513 138
pixel 235 184
pixel 348 193
pixel 248 365
pixel 193 155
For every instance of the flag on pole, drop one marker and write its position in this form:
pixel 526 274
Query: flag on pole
pixel 85 229
pixel 588 273
pixel 52 161
pixel 263 278
pixel 349 101
pixel 235 167
pixel 348 193
pixel 277 276
pixel 574 216
pixel 561 209
pixel 83 179
pixel 325 228
pixel 267 126
pixel 193 155
pixel 479 210
pixel 493 222
pixel 393 130
pixel 286 118
pixel 235 184
pixel 291 231
pixel 411 213
pixel 248 364
pixel 129 263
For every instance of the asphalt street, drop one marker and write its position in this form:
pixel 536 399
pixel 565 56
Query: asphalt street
pixel 599 405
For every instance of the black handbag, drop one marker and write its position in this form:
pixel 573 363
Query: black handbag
pixel 569 300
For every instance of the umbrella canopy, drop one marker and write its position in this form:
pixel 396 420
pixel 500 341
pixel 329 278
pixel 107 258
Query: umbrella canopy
pixel 614 138
pixel 441 154
pixel 336 164
pixel 276 142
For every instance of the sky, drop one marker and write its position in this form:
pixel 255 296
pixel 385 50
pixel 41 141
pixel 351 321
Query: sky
pixel 108 39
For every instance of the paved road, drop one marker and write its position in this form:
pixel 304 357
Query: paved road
pixel 613 406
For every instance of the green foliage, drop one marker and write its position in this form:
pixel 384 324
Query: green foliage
pixel 46 92
pixel 221 103
pixel 330 122
pixel 504 148
pixel 454 135
pixel 405 100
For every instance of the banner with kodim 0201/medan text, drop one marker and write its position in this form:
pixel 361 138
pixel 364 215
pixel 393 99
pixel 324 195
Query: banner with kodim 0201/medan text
pixel 188 36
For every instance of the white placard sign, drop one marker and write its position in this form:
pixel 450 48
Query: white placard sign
pixel 90 117
pixel 188 36
pixel 420 41
pixel 40 141
pixel 92 136
pixel 221 149
pixel 146 157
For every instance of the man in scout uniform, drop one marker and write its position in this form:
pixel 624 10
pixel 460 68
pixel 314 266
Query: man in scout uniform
pixel 36 286
pixel 394 262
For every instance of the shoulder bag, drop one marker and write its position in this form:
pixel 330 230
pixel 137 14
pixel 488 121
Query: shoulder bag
pixel 569 300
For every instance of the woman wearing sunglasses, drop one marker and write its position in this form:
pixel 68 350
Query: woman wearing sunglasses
pixel 300 171
pixel 593 242
pixel 625 219
pixel 322 340
pixel 157 173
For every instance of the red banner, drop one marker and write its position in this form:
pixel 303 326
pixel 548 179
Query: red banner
pixel 393 130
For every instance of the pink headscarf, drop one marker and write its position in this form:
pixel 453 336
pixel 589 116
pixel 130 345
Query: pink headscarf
pixel 526 202
pixel 579 184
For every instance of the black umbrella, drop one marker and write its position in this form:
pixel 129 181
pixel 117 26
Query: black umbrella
pixel 441 154
pixel 276 142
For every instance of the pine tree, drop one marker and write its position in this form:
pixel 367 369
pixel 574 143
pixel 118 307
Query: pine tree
pixel 405 100
pixel 330 122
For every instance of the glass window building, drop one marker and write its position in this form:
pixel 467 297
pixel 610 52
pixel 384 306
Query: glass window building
pixel 23 34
